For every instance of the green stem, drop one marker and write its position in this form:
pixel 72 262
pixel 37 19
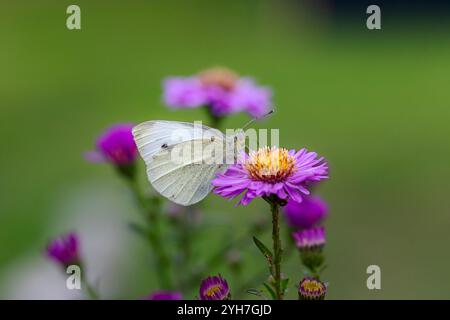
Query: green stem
pixel 89 290
pixel 152 216
pixel 139 197
pixel 163 261
pixel 215 121
pixel 277 250
pixel 183 266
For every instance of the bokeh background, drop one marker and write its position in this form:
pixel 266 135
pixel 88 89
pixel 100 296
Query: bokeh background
pixel 375 103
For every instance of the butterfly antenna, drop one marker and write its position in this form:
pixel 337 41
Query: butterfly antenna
pixel 254 119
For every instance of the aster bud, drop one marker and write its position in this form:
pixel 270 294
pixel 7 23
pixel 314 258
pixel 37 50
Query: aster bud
pixel 214 288
pixel 310 243
pixel 64 250
pixel 311 289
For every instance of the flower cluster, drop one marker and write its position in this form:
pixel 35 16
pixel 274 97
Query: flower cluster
pixel 281 177
pixel 221 90
pixel 278 176
pixel 305 218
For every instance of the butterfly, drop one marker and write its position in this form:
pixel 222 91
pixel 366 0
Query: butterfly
pixel 182 158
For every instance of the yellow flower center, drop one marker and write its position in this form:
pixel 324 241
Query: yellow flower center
pixel 312 286
pixel 270 164
pixel 219 76
pixel 211 292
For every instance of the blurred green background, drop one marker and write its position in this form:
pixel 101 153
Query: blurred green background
pixel 374 103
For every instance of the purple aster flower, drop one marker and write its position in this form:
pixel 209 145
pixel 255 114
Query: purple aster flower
pixel 311 289
pixel 307 239
pixel 255 100
pixel 271 172
pixel 116 145
pixel 222 90
pixel 306 214
pixel 165 295
pixel 64 250
pixel 214 288
pixel 184 92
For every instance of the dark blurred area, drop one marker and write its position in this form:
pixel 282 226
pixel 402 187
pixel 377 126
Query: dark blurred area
pixel 395 14
pixel 401 9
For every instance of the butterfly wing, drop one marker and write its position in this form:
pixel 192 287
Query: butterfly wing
pixel 153 136
pixel 185 180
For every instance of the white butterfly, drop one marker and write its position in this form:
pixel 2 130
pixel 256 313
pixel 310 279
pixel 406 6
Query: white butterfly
pixel 185 178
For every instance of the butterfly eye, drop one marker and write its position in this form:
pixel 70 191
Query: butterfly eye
pixel 235 139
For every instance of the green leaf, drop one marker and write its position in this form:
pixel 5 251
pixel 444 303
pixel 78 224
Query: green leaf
pixel 255 292
pixel 264 250
pixel 270 291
